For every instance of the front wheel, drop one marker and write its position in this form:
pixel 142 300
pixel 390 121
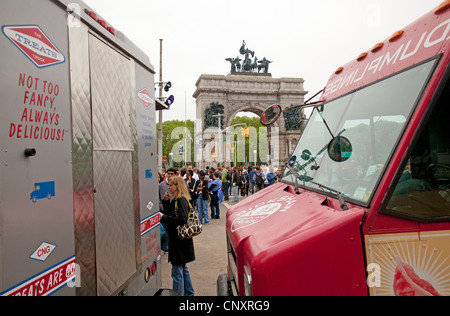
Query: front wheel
pixel 223 286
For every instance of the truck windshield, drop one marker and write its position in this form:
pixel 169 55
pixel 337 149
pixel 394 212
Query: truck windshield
pixel 373 120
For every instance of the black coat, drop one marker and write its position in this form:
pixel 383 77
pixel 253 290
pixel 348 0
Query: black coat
pixel 236 178
pixel 204 192
pixel 181 251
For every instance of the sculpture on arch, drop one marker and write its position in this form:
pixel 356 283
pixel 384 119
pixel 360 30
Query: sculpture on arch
pixel 293 119
pixel 215 108
pixel 250 64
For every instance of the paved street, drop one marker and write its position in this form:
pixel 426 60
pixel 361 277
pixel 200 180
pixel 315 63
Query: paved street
pixel 211 256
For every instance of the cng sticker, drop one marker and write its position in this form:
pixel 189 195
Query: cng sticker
pixel 34 44
pixel 43 252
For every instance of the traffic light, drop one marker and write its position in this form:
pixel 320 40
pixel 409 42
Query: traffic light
pixel 170 100
pixel 245 132
pixel 168 86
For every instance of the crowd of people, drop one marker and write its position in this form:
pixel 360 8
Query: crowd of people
pixel 212 186
pixel 181 189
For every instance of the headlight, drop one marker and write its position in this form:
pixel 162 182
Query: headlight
pixel 248 282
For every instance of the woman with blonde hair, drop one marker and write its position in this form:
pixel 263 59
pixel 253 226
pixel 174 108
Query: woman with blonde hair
pixel 181 251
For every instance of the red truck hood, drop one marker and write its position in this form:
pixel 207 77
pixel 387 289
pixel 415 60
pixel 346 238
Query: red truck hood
pixel 276 232
pixel 275 215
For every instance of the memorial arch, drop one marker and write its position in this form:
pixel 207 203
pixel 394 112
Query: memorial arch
pixel 223 97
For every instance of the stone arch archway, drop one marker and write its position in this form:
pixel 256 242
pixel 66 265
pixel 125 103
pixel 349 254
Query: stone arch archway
pixel 248 93
pixel 257 110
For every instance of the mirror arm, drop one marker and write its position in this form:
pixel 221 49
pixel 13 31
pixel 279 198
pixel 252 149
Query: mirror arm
pixel 297 190
pixel 326 124
pixel 304 106
pixel 280 110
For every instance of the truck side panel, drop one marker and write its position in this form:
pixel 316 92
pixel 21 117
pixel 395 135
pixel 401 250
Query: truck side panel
pixel 112 87
pixel 78 129
pixel 82 160
pixel 35 114
pixel 149 280
pixel 117 227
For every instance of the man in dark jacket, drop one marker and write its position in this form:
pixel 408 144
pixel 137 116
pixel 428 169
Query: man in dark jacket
pixel 201 190
pixel 259 179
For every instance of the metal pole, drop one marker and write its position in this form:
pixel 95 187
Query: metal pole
pixel 220 136
pixel 185 130
pixel 160 144
pixel 220 140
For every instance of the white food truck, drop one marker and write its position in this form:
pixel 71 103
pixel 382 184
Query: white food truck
pixel 78 164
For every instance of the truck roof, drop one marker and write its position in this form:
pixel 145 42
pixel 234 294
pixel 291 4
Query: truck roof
pixel 423 39
pixel 119 40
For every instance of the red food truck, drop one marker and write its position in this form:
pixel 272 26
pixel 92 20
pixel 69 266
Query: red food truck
pixel 364 204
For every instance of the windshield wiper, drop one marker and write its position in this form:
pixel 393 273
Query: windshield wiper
pixel 293 172
pixel 305 178
pixel 340 195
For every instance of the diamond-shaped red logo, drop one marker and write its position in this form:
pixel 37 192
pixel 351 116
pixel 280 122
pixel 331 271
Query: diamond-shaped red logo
pixel 146 98
pixel 34 44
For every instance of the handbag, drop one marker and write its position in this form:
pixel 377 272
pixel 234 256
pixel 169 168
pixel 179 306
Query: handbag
pixel 193 227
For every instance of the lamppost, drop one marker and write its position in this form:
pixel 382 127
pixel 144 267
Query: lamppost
pixel 220 139
pixel 235 143
pixel 168 101
pixel 171 160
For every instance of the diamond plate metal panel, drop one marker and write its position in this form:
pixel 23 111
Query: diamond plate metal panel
pixel 112 96
pixel 104 154
pixel 82 160
pixel 114 220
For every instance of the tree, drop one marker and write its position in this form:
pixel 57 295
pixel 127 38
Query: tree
pixel 173 134
pixel 253 124
pixel 174 137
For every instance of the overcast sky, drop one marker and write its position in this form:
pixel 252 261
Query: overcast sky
pixel 305 39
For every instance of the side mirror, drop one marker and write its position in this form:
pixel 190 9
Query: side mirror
pixel 340 149
pixel 271 115
pixel 306 155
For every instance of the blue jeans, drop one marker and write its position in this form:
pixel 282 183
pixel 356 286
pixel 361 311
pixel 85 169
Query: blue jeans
pixel 252 188
pixel 236 194
pixel 182 282
pixel 164 237
pixel 202 207
pixel 215 210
